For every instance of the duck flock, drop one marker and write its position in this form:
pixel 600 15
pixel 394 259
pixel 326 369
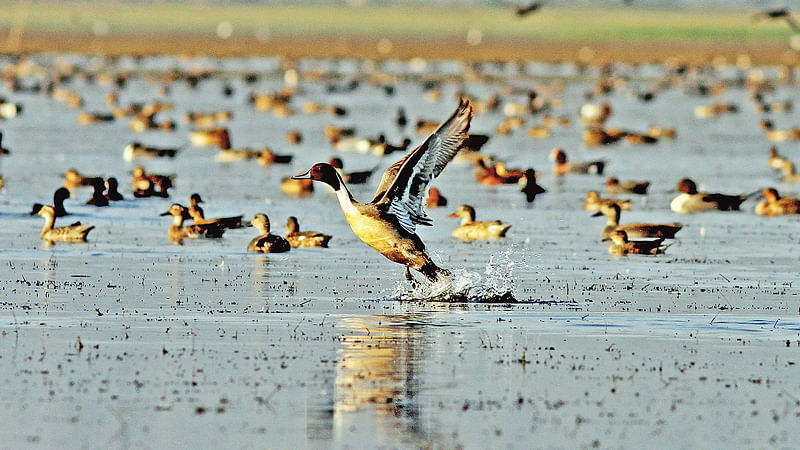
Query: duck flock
pixel 643 140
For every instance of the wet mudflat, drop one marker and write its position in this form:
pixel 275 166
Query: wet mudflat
pixel 131 341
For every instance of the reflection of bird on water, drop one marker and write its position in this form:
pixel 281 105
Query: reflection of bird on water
pixel 379 357
pixel 776 14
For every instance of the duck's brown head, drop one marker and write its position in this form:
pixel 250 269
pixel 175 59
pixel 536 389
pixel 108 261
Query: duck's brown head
pixel 177 210
pixel 292 226
pixel 592 196
pixel 465 212
pixel 610 210
pixel 771 195
pixel 323 172
pixel 773 152
pixel 612 181
pixel 261 222
pixel 559 156
pixel 336 163
pixel 195 199
pixel 138 171
pixel 687 186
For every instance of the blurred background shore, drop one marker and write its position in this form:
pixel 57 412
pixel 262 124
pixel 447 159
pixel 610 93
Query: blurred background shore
pixel 595 32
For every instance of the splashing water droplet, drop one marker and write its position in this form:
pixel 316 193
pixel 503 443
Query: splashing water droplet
pixel 495 286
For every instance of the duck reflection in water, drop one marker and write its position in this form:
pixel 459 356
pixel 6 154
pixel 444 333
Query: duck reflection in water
pixel 377 383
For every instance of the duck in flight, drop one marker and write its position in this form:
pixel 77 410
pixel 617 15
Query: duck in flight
pixel 388 223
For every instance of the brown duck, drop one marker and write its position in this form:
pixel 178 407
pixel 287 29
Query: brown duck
pixel 310 239
pixel 622 246
pixel 266 242
pixel 71 233
pixel 640 230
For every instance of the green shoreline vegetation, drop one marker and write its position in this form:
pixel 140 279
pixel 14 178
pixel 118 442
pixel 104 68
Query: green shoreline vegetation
pixel 396 21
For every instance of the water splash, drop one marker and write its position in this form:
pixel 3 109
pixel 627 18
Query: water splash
pixel 495 285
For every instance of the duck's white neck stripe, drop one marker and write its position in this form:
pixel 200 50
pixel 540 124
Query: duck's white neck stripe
pixel 345 199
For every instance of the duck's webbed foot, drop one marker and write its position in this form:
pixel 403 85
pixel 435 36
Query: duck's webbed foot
pixel 410 278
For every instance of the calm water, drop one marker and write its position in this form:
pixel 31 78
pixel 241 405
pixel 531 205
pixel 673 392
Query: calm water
pixel 209 346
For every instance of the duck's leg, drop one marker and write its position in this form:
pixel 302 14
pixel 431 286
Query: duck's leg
pixel 410 278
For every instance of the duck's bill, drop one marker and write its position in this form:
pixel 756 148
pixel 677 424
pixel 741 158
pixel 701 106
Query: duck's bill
pixel 303 176
pixel 36 208
pixel 452 215
pixel 167 213
pixel 597 214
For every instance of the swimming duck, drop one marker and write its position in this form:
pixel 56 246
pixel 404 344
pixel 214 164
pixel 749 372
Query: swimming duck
pixel 266 242
pixel 136 150
pixel 691 201
pixel 435 198
pixel 294 137
pixel 351 177
pixel 622 246
pixel 640 230
pixel 98 199
pixel 3 150
pixel 594 202
pixel 388 223
pixel 661 132
pixel 59 196
pixel 198 216
pixel 298 188
pixel 207 120
pixel 532 188
pixel 563 167
pixel 614 186
pixel 71 233
pixel 310 239
pixel 596 137
pixel 112 193
pixel 144 184
pixel 215 137
pixel 86 118
pixel 267 158
pixel 595 114
pixel 775 160
pixel 790 175
pixel 470 230
pixel 177 232
pixel 73 179
pixel 774 205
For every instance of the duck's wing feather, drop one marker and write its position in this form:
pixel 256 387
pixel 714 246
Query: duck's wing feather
pixel 408 179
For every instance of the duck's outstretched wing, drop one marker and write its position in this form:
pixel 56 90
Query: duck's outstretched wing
pixel 407 180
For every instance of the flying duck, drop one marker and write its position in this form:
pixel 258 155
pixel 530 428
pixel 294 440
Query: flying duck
pixel 470 230
pixel 691 201
pixel 297 238
pixel 71 233
pixel 266 242
pixel 388 223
